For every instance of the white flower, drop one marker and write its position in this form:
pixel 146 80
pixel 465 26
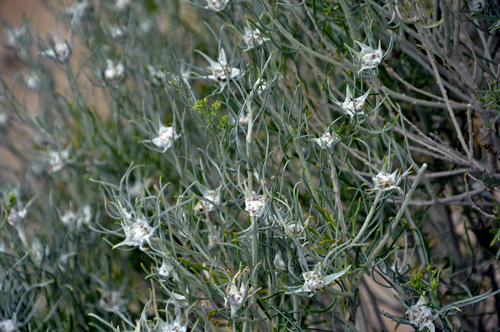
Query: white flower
pixel 278 262
pixel 243 120
pixel 86 217
pixel 385 181
pixel 314 280
pixel 252 38
pixel 2 249
pixel 327 141
pixel 136 234
pixel 254 204
pixel 4 118
pixel 165 269
pixel 368 57
pixel 176 326
pixel 262 87
pixel 298 231
pixel 68 217
pixel 353 106
pixel 37 250
pixel 16 217
pixel 31 80
pixel 217 5
pixel 57 159
pixel 114 74
pixel 111 301
pixel 61 50
pixel 80 9
pixel 158 77
pixel 211 195
pixel 235 296
pixel 422 315
pixel 8 326
pixel 476 6
pixel 221 71
pixel 15 37
pixel 166 138
pixel 121 5
pixel 118 31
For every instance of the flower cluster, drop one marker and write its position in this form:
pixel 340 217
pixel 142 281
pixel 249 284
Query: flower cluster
pixel 217 5
pixel 136 234
pixel 166 138
pixel 328 140
pixel 421 315
pixel 211 195
pixel 254 204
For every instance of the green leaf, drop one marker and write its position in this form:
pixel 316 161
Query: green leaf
pixel 432 25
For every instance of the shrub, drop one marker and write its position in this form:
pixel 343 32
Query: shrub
pixel 199 167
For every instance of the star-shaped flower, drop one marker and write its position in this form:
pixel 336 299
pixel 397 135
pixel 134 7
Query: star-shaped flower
pixel 254 204
pixel 211 195
pixel 136 234
pixel 217 5
pixel 222 72
pixel 166 138
pixel 368 57
pixel 114 74
pixel 327 141
pixel 422 315
pixel 314 281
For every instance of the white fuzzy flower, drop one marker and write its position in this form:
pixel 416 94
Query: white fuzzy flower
pixel 86 216
pixel 176 326
pixel 111 301
pixel 386 181
pixel 2 249
pixel 211 195
pixel 136 234
pixel 15 37
pixel 4 118
pixel 217 5
pixel 37 250
pixel 31 80
pixel 297 231
pixel 166 138
pixel 16 217
pixel 354 106
pixel 114 74
pixel 58 159
pixel 8 326
pixel 158 77
pixel 252 38
pixel 262 87
pixel 221 71
pixel 279 263
pixel 118 31
pixel 254 204
pixel 80 9
pixel 314 280
pixel 327 141
pixel 422 315
pixel 368 57
pixel 68 217
pixel 235 296
pixel 61 51
pixel 165 269
pixel 243 120
pixel 476 6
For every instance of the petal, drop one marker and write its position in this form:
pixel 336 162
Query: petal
pixel 235 72
pixel 332 277
pixel 222 57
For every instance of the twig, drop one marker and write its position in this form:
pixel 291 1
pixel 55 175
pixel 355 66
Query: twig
pixel 338 201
